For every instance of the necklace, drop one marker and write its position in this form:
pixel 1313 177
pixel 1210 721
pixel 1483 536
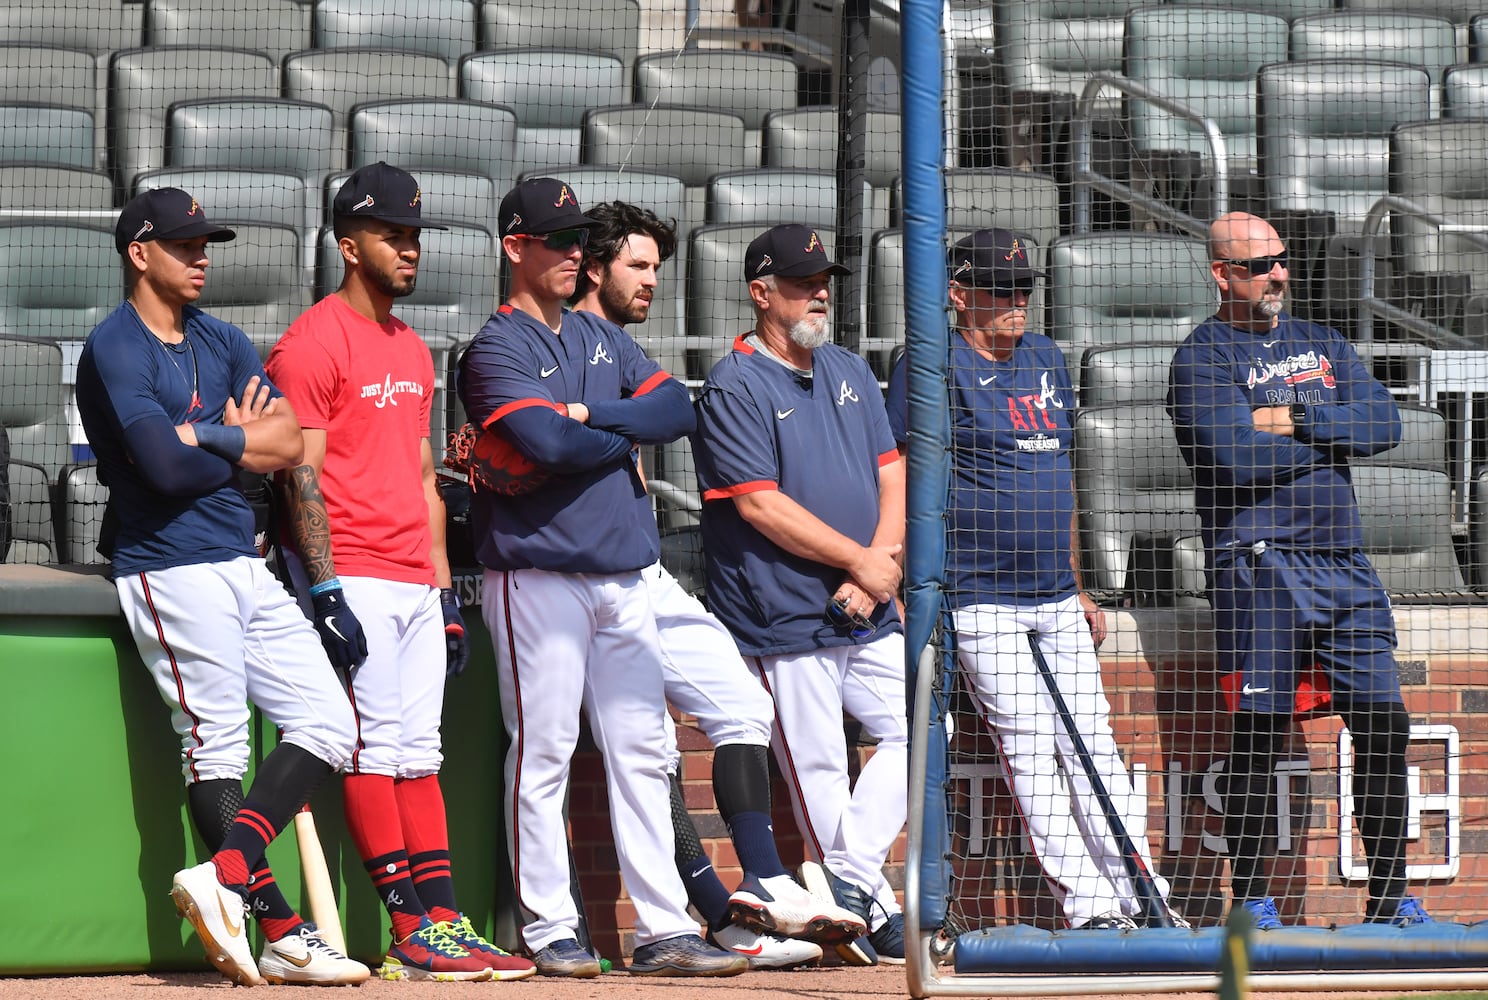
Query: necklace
pixel 170 352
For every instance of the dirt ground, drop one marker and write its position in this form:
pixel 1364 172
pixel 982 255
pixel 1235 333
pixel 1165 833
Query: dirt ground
pixel 813 984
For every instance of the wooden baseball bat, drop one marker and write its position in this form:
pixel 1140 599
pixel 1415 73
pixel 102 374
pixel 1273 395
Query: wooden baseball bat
pixel 317 878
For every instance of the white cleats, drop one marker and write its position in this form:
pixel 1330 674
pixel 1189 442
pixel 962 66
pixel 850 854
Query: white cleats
pixel 766 951
pixel 219 916
pixel 305 959
pixel 779 905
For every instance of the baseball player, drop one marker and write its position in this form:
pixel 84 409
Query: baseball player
pixel 1268 410
pixel 366 526
pixel 704 676
pixel 174 403
pixel 803 522
pixel 1015 569
pixel 568 610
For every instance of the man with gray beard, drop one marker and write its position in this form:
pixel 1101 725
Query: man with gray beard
pixel 803 523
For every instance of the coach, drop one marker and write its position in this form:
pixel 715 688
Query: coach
pixel 1269 409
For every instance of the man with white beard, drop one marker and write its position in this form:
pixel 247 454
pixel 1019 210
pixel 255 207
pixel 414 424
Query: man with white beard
pixel 803 523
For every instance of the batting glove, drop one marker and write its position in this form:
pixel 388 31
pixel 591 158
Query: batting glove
pixel 340 632
pixel 456 646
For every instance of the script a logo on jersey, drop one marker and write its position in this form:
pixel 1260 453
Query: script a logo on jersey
pixel 846 394
pixel 1029 412
pixel 387 390
pixel 600 355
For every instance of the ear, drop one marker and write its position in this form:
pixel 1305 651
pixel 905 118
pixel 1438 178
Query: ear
pixel 595 272
pixel 512 247
pixel 957 296
pixel 1218 270
pixel 760 293
pixel 137 257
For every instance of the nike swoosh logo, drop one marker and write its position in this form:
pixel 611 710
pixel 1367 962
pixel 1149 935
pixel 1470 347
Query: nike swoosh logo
pixel 1247 689
pixel 548 371
pixel 701 870
pixel 231 930
pixel 330 623
pixel 298 963
pixel 988 380
pixel 756 950
pixel 782 414
pixel 1269 343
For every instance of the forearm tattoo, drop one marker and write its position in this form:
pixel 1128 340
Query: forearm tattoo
pixel 311 526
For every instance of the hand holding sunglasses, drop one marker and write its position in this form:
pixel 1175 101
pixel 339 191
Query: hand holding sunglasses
pixel 856 625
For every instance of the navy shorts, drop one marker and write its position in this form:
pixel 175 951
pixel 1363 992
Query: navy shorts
pixel 1276 611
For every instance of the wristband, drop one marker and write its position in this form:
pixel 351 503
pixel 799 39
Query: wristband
pixel 334 583
pixel 1299 415
pixel 448 596
pixel 221 440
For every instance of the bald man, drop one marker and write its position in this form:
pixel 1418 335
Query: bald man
pixel 1269 410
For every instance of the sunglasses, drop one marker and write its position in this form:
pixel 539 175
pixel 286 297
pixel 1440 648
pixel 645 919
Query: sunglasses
pixel 1256 266
pixel 855 625
pixel 561 241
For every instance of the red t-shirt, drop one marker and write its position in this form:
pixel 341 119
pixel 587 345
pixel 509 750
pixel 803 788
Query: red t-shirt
pixel 370 387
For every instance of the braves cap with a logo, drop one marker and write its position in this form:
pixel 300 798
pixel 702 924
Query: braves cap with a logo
pixel 792 250
pixel 165 214
pixel 538 206
pixel 998 259
pixel 385 193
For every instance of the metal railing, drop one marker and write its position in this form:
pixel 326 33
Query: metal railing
pixel 1086 178
pixel 1372 305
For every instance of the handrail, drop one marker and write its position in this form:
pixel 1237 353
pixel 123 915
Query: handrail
pixel 1086 178
pixel 1371 305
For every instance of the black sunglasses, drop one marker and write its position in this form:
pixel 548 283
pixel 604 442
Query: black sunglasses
pixel 563 239
pixel 1256 266
pixel 855 625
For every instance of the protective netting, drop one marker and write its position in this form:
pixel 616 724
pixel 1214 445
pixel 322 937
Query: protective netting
pixel 1279 524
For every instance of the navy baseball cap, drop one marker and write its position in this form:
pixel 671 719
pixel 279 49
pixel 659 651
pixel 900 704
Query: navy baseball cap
pixel 165 214
pixel 539 206
pixel 792 250
pixel 994 258
pixel 385 193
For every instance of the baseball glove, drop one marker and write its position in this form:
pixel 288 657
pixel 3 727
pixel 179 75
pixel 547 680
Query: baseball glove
pixel 490 462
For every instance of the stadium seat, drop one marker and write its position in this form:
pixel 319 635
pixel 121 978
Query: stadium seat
pixel 1057 45
pixel 57 280
pixel 33 403
pixel 1130 373
pixel 443 28
pixel 273 27
pixel 265 133
pixel 885 330
pixel 343 78
pixel 1465 92
pixel 438 135
pixel 689 143
pixel 1410 38
pixel 1020 200
pixel 257 281
pixel 768 196
pixel 549 90
pixel 97 26
pixel 1287 9
pixel 33 189
pixel 1405 502
pixel 1189 54
pixel 237 195
pixel 81 504
pixel 1139 530
pixel 1322 132
pixel 806 139
pixel 1126 288
pixel 1477 38
pixel 1440 166
pixel 611 27
pixel 144 83
pixel 47 133
pixel 749 84
pixel 51 74
pixel 33 537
